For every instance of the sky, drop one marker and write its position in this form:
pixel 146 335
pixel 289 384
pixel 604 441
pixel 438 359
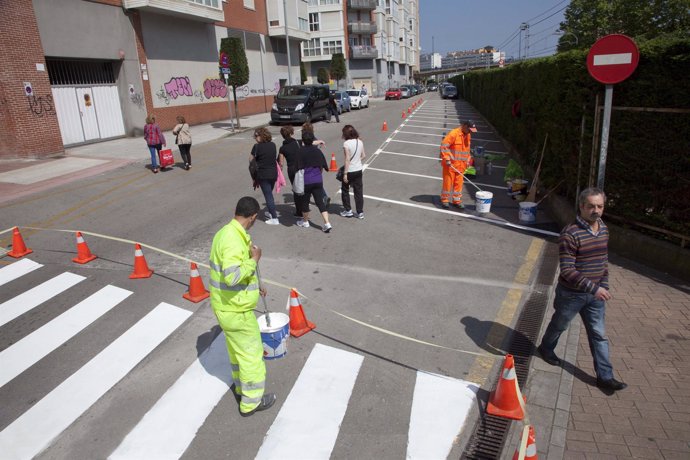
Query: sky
pixel 458 25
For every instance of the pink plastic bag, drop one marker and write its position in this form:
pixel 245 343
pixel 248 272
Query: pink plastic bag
pixel 280 182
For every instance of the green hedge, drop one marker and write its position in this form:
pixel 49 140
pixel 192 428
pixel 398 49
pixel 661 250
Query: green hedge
pixel 648 164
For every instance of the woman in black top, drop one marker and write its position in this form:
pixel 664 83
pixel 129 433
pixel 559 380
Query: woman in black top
pixel 264 151
pixel 311 160
pixel 288 153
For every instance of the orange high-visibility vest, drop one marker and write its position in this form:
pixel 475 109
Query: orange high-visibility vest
pixel 456 146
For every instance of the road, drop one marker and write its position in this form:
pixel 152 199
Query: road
pixel 412 306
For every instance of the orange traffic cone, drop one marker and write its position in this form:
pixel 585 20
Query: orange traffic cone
pixel 334 166
pixel 19 249
pixel 83 252
pixel 403 114
pixel 141 269
pixel 385 126
pixel 299 324
pixel 409 110
pixel 197 292
pixel 530 449
pixel 504 401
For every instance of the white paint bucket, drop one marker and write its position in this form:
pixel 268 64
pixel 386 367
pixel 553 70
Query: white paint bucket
pixel 483 202
pixel 528 212
pixel 274 338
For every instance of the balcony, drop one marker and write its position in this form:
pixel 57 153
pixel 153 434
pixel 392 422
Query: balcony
pixel 363 52
pixel 367 28
pixel 197 10
pixel 361 5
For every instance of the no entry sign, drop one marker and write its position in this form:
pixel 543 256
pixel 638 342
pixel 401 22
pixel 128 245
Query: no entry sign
pixel 612 59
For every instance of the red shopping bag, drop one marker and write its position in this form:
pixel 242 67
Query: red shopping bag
pixel 166 158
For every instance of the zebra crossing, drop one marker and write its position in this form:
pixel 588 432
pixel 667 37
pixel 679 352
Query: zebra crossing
pixel 306 425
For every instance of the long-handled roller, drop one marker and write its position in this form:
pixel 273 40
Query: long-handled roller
pixel 263 298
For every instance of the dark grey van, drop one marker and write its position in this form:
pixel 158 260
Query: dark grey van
pixel 300 103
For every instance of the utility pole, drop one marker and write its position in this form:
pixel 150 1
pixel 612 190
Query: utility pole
pixel 523 26
pixel 287 41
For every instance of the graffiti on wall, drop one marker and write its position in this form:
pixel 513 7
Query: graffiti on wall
pixel 215 88
pixel 178 86
pixel 247 91
pixel 40 106
pixel 137 99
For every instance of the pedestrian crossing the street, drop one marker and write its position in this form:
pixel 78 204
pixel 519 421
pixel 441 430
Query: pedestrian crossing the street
pixel 305 424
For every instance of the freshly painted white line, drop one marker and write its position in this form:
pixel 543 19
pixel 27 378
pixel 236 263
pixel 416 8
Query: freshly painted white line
pixel 404 173
pixel 410 155
pixel 35 296
pixel 422 134
pixel 28 351
pixel 34 430
pixel 440 407
pixel 181 410
pixel 308 423
pixel 17 269
pixel 613 59
pixel 410 142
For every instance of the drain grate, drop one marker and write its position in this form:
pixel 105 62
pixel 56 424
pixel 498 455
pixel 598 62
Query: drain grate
pixel 490 431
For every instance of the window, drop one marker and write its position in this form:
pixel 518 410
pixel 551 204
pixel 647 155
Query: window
pixel 212 3
pixel 274 23
pixel 303 25
pixel 332 46
pixel 248 4
pixel 313 2
pixel 312 47
pixel 314 22
pixel 329 2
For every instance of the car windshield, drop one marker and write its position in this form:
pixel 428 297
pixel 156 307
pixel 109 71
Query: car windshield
pixel 353 92
pixel 394 89
pixel 293 92
pixel 338 96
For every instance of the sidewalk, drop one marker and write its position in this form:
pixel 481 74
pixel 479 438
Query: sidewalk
pixel 648 324
pixel 25 176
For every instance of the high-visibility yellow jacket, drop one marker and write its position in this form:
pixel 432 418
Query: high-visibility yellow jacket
pixel 456 147
pixel 234 285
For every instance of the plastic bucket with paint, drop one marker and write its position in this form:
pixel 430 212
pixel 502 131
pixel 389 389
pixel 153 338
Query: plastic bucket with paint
pixel 483 201
pixel 275 337
pixel 528 212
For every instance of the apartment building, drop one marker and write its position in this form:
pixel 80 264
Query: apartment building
pixel 379 39
pixel 89 70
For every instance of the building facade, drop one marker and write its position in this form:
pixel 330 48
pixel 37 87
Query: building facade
pixel 90 70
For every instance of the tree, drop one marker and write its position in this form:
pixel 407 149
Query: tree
pixel 239 69
pixel 338 68
pixel 302 73
pixel 322 76
pixel 589 20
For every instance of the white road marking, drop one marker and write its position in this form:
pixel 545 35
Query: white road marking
pixel 417 143
pixel 28 351
pixel 613 59
pixel 35 296
pixel 404 173
pixel 308 423
pixel 410 155
pixel 439 409
pixel 17 269
pixel 34 430
pixel 422 134
pixel 181 410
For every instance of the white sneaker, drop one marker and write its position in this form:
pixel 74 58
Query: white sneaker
pixel 360 215
pixel 269 216
pixel 303 223
pixel 327 228
pixel 346 213
pixel 273 222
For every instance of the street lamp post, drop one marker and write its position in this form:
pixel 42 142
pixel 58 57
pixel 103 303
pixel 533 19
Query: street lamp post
pixel 287 42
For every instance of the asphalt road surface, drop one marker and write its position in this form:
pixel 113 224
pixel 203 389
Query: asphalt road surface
pixel 412 306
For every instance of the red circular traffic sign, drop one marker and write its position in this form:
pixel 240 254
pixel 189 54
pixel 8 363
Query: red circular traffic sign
pixel 613 58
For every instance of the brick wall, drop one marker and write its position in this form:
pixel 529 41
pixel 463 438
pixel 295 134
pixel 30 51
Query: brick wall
pixel 239 17
pixel 29 123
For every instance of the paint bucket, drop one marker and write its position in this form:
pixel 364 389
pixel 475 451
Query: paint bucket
pixel 275 337
pixel 528 212
pixel 483 202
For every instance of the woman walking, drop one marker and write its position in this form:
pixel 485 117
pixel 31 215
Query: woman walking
pixel 265 154
pixel 183 140
pixel 154 140
pixel 288 154
pixel 353 149
pixel 309 128
pixel 311 160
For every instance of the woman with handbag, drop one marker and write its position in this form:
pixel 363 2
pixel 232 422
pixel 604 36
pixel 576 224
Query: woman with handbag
pixel 288 155
pixel 265 154
pixel 353 149
pixel 183 139
pixel 311 161
pixel 154 140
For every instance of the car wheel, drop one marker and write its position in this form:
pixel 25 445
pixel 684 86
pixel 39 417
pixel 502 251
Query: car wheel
pixel 309 117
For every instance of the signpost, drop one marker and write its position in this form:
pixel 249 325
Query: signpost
pixel 224 68
pixel 611 60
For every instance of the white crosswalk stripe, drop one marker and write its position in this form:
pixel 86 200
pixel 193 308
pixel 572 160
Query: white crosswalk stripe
pixel 17 269
pixel 307 425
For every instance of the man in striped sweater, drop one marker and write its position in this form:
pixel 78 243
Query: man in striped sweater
pixel 583 287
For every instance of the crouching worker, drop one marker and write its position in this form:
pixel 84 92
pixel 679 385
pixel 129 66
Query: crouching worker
pixel 234 289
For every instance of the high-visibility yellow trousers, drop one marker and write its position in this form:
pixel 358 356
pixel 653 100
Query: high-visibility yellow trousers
pixel 451 190
pixel 246 352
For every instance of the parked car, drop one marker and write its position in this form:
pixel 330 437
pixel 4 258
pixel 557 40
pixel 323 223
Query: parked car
pixel 405 92
pixel 413 90
pixel 393 93
pixel 359 98
pixel 433 87
pixel 419 88
pixel 343 100
pixel 300 103
pixel 449 92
